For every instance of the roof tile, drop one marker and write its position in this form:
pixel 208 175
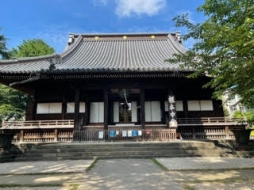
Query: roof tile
pixel 110 52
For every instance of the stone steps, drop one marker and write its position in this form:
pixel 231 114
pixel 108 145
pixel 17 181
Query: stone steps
pixel 75 151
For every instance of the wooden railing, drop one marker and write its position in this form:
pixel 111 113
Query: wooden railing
pixel 125 134
pixel 211 120
pixel 63 130
pixel 37 124
pixel 99 134
pixel 70 123
pixel 46 135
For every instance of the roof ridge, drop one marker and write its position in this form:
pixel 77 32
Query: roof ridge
pixel 118 34
pixel 71 47
pixel 22 59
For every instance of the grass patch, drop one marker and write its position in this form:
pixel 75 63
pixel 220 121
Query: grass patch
pixel 156 162
pixel 73 186
pixel 187 187
pixel 92 165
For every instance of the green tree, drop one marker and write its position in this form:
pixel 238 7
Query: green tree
pixel 223 48
pixel 32 48
pixel 250 117
pixel 3 48
pixel 12 102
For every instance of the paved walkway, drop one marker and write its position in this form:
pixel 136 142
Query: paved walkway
pixel 129 173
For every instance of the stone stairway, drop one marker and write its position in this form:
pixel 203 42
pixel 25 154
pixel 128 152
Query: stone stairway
pixel 107 150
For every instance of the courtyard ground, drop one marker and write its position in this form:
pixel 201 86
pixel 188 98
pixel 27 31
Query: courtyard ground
pixel 193 173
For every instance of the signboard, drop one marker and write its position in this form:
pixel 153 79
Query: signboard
pixel 172 112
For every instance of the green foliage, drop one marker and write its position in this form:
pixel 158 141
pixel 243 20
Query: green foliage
pixel 238 114
pixel 12 103
pixel 225 111
pixel 3 48
pixel 32 48
pixel 224 46
pixel 250 117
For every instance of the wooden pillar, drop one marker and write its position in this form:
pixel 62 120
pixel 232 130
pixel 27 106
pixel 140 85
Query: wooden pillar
pixel 55 135
pixel 142 107
pixel 162 105
pixel 193 132
pixel 105 98
pixel 87 110
pixel 76 111
pixel 185 108
pixel 34 112
pixel 227 132
pixel 64 106
pixel 21 138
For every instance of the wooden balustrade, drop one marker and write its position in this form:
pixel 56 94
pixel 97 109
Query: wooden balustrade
pixel 63 130
pixel 211 121
pixel 97 134
pixel 70 123
pixel 38 124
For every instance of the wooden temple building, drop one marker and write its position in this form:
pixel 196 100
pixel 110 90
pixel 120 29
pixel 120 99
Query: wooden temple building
pixel 113 86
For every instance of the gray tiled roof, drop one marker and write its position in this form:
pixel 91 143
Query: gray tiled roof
pixel 107 52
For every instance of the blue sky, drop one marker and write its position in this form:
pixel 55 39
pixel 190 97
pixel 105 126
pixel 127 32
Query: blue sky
pixel 53 20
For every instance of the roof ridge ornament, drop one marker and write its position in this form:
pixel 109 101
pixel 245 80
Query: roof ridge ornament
pixel 57 59
pixel 71 39
pixel 178 36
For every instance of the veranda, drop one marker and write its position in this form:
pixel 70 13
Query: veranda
pixel 211 128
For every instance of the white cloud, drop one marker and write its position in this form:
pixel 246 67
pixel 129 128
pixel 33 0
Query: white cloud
pixel 128 8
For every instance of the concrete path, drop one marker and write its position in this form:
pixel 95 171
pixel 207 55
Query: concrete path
pixel 40 167
pixel 129 174
pixel 206 163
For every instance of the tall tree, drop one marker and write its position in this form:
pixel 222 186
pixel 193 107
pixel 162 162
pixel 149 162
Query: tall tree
pixel 32 48
pixel 3 48
pixel 13 102
pixel 224 46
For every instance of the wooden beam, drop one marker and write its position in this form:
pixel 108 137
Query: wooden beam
pixel 76 112
pixel 55 135
pixel 142 107
pixel 64 106
pixel 87 109
pixel 21 138
pixel 105 98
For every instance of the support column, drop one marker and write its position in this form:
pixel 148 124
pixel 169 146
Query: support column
pixel 105 99
pixel 21 138
pixel 55 135
pixel 227 132
pixel 76 111
pixel 87 110
pixel 185 107
pixel 142 107
pixel 64 106
pixel 34 112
